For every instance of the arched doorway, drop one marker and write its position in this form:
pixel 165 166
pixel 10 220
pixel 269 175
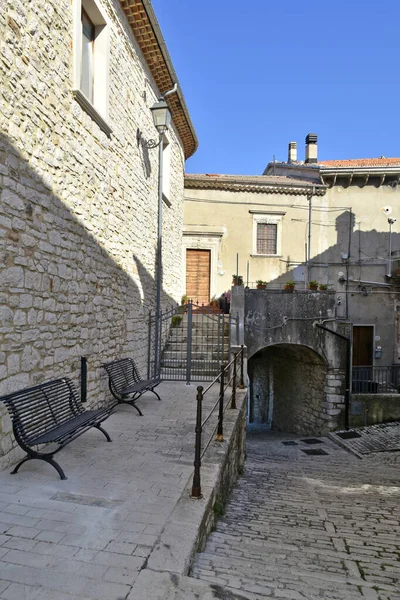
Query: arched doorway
pixel 287 383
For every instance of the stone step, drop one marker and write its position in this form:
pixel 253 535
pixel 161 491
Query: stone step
pixel 201 354
pixel 175 363
pixel 208 332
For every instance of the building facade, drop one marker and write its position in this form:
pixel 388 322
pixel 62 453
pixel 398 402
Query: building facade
pixel 79 188
pixel 332 224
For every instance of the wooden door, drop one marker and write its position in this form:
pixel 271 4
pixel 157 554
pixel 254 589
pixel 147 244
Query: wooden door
pixel 198 275
pixel 363 345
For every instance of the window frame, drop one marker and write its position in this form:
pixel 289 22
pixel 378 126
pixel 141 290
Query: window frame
pixel 91 39
pixel 268 219
pixel 97 106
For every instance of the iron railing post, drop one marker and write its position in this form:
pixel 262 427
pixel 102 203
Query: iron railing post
pixel 237 329
pixel 158 369
pixel 229 343
pixel 241 382
pixel 196 487
pixel 220 430
pixel 223 342
pixel 233 402
pixel 189 342
pixel 219 341
pixel 149 349
pixel 83 379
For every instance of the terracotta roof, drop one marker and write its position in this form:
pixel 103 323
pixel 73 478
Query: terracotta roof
pixel 252 183
pixel 362 162
pixel 147 32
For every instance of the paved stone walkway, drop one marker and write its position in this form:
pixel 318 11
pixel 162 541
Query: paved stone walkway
pixel 384 437
pixel 308 527
pixel 89 537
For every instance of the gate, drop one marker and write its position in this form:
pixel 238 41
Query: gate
pixel 194 343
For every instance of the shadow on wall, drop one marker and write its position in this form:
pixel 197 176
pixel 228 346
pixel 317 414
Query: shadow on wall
pixel 70 284
pixel 361 248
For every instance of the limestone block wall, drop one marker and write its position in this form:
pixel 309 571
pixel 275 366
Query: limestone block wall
pixel 78 212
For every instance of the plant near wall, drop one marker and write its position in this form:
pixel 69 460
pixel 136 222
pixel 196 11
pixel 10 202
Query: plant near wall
pixel 289 286
pixel 261 285
pixel 313 285
pixel 176 320
pixel 237 279
pixel 323 287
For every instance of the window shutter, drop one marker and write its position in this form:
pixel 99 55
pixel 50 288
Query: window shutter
pixel 267 238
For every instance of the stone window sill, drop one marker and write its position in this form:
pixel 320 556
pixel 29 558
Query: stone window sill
pixel 91 111
pixel 266 255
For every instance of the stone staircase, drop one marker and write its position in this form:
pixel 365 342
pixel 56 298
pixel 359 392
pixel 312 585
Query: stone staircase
pixel 209 338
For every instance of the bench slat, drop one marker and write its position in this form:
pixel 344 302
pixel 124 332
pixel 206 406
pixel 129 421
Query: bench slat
pixel 59 433
pixel 125 382
pixel 38 410
pixel 50 412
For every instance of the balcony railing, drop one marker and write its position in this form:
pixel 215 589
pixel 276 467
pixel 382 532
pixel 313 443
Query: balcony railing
pixel 376 380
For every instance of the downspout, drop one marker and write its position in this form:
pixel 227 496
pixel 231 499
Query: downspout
pixel 309 234
pixel 347 397
pixel 348 263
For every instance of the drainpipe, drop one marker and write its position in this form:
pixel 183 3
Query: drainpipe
pixel 348 262
pixel 391 221
pixel 347 396
pixel 310 196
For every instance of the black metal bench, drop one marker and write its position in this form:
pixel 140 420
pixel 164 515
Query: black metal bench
pixel 50 413
pixel 125 383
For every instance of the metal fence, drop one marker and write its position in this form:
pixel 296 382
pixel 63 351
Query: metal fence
pixel 376 380
pixel 194 342
pixel 231 375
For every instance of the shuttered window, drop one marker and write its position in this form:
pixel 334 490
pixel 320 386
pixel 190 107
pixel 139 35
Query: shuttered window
pixel 267 235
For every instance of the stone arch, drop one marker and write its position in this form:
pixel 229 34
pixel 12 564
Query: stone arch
pixel 288 385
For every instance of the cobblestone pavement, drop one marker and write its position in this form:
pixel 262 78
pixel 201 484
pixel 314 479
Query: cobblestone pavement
pixel 308 527
pixel 88 538
pixel 384 437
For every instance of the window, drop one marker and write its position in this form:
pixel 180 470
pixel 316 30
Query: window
pixel 91 60
pixel 88 37
pixel 267 233
pixel 266 238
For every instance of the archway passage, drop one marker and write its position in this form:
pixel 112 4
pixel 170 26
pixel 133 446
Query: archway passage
pixel 287 383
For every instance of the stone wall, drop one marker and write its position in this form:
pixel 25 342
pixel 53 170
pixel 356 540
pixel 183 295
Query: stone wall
pixel 369 409
pixel 299 399
pixel 294 366
pixel 78 215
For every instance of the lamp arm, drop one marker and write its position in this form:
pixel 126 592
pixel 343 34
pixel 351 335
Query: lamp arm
pixel 151 143
pixel 147 143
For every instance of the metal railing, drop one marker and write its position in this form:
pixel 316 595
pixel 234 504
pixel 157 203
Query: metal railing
pixel 222 404
pixel 194 341
pixel 376 380
pixel 300 286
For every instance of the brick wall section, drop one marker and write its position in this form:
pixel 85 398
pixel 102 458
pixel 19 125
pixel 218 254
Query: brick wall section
pixel 78 218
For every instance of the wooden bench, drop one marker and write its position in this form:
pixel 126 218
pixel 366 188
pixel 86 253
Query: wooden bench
pixel 50 413
pixel 125 383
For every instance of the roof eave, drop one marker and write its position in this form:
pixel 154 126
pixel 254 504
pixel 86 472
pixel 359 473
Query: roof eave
pixel 359 170
pixel 230 184
pixel 168 77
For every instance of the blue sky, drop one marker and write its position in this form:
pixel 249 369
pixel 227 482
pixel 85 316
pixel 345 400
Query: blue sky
pixel 259 74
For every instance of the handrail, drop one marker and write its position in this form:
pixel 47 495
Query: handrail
pixel 222 408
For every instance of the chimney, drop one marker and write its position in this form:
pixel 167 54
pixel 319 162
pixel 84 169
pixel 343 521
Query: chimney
pixel 292 153
pixel 311 148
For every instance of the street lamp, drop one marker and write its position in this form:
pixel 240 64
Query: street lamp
pixel 162 119
pixel 161 115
